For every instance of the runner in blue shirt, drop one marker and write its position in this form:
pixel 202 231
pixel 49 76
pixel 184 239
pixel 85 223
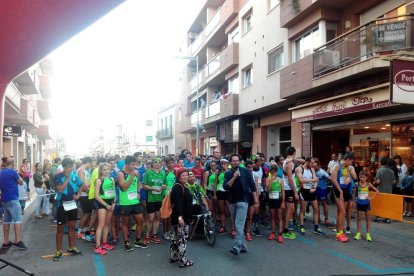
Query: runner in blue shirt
pixel 322 190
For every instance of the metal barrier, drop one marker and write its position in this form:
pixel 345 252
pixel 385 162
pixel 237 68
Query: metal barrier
pixel 389 206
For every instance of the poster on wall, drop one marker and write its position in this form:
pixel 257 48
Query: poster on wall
pixel 402 76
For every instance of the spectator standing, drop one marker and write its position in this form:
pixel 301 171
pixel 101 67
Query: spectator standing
pixel 401 169
pixel 239 182
pixel 384 179
pixel 332 163
pixel 9 181
pixel 407 188
pixel 25 172
pixel 40 188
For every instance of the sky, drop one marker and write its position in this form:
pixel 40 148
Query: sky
pixel 120 70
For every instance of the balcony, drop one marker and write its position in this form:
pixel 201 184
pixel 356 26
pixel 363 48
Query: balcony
pixel 376 38
pixel 26 83
pixel 43 132
pixel 223 16
pixel 229 106
pixel 165 133
pixel 24 117
pixel 44 109
pixel 44 86
pixel 214 72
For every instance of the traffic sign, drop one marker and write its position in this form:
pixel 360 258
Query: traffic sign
pixel 12 131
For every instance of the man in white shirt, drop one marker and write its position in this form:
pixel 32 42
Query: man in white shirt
pixel 332 163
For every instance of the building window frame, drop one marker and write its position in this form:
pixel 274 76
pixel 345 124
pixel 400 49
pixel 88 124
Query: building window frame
pixel 271 4
pixel 278 54
pixel 247 21
pixel 312 36
pixel 247 74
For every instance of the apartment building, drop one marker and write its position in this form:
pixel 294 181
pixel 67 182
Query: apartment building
pixel 238 48
pixel 27 108
pixel 168 140
pixel 338 77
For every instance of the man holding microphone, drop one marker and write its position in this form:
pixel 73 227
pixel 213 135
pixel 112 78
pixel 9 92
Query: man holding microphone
pixel 239 182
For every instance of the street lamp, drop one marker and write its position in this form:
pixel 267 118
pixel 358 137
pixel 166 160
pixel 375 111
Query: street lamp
pixel 198 100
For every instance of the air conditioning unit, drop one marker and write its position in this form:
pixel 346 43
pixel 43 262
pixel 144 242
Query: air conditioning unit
pixel 329 58
pixel 192 35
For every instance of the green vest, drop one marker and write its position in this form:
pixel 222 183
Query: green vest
pixel 130 196
pixel 107 190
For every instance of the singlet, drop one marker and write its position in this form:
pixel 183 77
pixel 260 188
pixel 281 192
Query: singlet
pixel 285 177
pixel 220 182
pixel 211 181
pixel 307 174
pixel 107 190
pixel 130 196
pixel 322 175
pixel 343 174
pixel 275 189
pixel 87 179
pixel 362 194
pixel 259 175
pixel 169 181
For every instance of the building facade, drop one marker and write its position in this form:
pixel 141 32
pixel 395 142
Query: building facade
pixel 338 77
pixel 168 140
pixel 27 107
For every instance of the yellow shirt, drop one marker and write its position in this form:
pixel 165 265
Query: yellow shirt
pixel 92 184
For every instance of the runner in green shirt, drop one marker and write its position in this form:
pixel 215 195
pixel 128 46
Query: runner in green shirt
pixel 169 182
pixel 154 183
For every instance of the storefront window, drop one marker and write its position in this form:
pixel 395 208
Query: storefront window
pixel 403 142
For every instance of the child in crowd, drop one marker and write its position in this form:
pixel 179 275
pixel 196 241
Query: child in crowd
pixel 23 196
pixel 407 188
pixel 363 204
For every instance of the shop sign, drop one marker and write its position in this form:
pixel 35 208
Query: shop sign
pixel 12 131
pixel 213 142
pixel 351 104
pixel 246 144
pixel 236 125
pixel 402 75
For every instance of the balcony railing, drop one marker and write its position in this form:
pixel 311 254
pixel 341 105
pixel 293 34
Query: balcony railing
pixel 379 36
pixel 165 133
pixel 213 109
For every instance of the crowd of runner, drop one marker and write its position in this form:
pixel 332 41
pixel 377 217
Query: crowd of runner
pixel 115 197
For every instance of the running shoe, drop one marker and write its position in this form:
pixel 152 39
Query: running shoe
pixel 100 251
pixel 222 231
pixel 74 251
pixel 233 233
pixel 147 240
pixel 302 231
pixel 114 241
pixel 256 232
pixel 140 244
pixel 107 246
pixel 369 237
pixel 409 214
pixel 289 235
pixel 387 221
pixel 20 245
pixel 88 238
pixel 166 236
pixel 134 227
pixel 248 237
pixel 155 239
pixel 280 239
pixel 319 232
pixel 341 238
pixel 272 236
pixel 348 231
pixel 266 225
pixel 6 245
pixel 57 256
pixel 128 247
pixel 357 236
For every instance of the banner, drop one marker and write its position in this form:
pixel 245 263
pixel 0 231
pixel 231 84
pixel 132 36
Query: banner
pixel 402 77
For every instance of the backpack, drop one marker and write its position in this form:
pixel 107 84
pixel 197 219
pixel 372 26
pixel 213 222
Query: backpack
pixel 166 206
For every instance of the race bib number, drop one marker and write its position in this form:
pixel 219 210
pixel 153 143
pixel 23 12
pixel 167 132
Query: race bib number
pixel 194 201
pixel 308 186
pixel 69 205
pixel 363 196
pixel 155 192
pixel 132 195
pixel 342 180
pixel 274 195
pixel 109 193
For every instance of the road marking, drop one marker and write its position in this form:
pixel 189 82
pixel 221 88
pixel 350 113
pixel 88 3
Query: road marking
pixel 370 267
pixel 99 265
pixel 307 241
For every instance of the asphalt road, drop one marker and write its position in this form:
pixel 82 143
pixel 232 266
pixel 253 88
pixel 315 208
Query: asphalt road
pixel 392 252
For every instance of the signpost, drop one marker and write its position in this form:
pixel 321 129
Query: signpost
pixel 12 131
pixel 402 78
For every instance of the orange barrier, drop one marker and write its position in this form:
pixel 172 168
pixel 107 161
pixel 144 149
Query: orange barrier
pixel 388 206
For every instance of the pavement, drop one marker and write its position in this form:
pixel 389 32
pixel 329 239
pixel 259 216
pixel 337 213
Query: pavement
pixel 391 253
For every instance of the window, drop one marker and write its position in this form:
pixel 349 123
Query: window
pixel 247 22
pixel 180 114
pixel 234 36
pixel 285 138
pixel 234 86
pixel 247 76
pixel 170 125
pixel 275 60
pixel 273 4
pixel 162 124
pixel 305 44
